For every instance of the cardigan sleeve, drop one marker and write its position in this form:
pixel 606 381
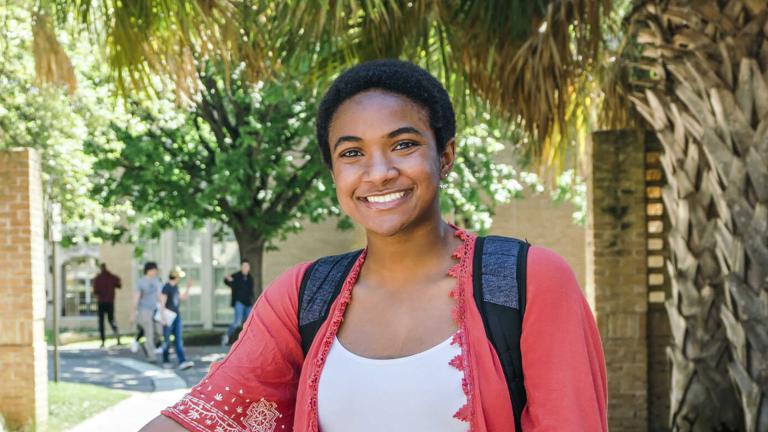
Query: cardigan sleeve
pixel 254 387
pixel 563 362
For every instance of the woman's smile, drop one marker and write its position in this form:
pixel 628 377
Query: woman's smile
pixel 386 200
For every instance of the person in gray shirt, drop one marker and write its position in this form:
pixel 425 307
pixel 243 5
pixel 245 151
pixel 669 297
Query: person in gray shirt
pixel 146 296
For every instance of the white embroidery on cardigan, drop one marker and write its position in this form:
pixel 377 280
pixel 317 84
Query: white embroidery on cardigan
pixel 262 416
pixel 198 412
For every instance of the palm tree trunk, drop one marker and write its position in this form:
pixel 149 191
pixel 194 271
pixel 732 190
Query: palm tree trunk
pixel 707 99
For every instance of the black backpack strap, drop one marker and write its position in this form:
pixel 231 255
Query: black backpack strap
pixel 499 290
pixel 320 286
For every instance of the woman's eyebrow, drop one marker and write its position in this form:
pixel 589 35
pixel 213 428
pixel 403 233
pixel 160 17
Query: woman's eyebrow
pixel 346 138
pixel 404 130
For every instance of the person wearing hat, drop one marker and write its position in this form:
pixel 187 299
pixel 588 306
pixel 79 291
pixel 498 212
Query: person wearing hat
pixel 170 298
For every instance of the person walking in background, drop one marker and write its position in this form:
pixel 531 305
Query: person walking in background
pixel 104 285
pixel 145 299
pixel 170 299
pixel 241 283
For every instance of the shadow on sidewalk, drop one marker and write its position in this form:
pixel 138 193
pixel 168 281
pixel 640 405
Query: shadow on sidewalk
pixel 103 367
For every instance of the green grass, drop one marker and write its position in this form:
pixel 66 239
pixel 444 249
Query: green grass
pixel 71 403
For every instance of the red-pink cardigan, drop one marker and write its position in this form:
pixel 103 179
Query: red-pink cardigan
pixel 265 384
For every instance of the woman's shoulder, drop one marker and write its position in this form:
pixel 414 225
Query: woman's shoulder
pixel 540 258
pixel 549 274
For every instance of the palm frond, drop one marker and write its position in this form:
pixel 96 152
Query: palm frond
pixel 523 58
pixel 52 64
pixel 143 37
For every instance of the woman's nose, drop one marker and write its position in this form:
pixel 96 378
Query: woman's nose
pixel 381 170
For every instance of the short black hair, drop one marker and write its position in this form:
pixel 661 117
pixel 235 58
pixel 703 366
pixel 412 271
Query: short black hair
pixel 244 261
pixel 394 76
pixel 149 265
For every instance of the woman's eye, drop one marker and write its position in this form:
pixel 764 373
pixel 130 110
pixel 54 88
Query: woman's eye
pixel 351 153
pixel 402 145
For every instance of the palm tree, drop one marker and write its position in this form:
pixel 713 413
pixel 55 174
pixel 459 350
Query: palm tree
pixel 699 80
pixel 531 51
pixel 702 84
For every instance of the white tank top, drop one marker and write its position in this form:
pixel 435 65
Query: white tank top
pixel 420 392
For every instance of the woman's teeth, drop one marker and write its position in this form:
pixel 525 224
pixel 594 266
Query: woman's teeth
pixel 385 198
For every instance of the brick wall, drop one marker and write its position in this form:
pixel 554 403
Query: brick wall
pixel 659 332
pixel 119 260
pixel 617 270
pixel 23 363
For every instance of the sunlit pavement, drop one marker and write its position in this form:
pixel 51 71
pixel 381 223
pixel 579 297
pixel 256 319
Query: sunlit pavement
pixel 92 366
pixel 131 414
pixel 153 387
pixel 88 366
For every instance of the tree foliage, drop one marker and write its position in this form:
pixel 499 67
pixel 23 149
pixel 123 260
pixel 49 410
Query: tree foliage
pixel 526 59
pixel 241 154
pixel 55 123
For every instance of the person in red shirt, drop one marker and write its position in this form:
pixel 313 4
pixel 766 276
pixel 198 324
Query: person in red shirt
pixel 104 285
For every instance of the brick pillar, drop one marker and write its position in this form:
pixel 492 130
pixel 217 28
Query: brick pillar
pixel 23 357
pixel 616 270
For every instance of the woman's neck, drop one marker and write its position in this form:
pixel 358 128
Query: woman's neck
pixel 422 251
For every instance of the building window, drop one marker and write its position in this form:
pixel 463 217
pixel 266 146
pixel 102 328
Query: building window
pixel 188 251
pixel 78 298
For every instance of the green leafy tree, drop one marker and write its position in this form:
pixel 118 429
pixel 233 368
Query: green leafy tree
pixel 56 123
pixel 241 154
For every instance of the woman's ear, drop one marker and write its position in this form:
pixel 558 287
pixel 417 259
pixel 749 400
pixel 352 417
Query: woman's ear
pixel 447 158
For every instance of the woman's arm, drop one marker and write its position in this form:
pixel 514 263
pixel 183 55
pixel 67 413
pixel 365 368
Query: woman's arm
pixel 563 362
pixel 162 423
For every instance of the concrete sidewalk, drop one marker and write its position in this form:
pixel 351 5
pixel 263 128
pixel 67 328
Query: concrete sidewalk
pixel 153 387
pixel 131 414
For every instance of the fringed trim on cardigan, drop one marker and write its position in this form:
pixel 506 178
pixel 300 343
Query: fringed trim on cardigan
pixel 461 361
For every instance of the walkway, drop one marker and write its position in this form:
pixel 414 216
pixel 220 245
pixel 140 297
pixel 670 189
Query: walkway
pixel 153 387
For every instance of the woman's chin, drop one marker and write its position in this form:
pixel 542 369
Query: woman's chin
pixel 385 229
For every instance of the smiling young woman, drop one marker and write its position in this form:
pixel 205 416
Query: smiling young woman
pixel 402 345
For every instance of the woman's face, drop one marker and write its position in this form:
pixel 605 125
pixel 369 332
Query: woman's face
pixel 385 162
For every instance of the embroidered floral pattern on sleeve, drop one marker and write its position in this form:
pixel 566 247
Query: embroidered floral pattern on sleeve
pixel 224 410
pixel 262 416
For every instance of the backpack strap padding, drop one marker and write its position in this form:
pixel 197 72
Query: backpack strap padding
pixel 320 286
pixel 498 271
pixel 499 291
